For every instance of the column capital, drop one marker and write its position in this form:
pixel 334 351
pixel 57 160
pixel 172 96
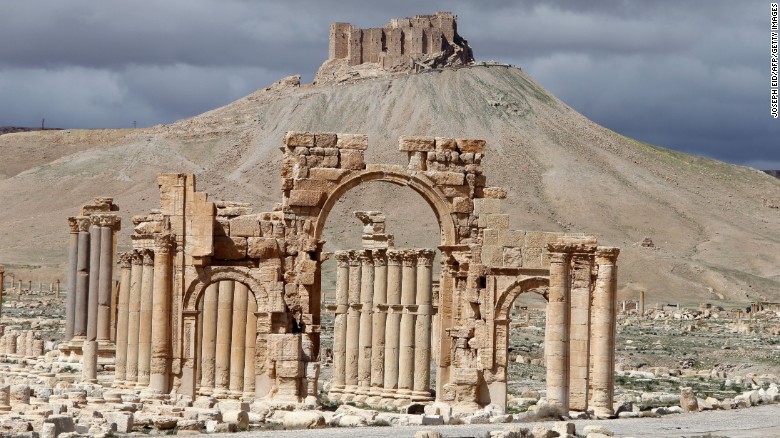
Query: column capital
pixel 342 258
pixel 107 221
pixel 126 259
pixel 73 224
pixel 366 257
pixel 354 258
pixel 148 256
pixel 409 258
pixel 607 255
pixel 82 223
pixel 558 247
pixel 380 256
pixel 425 257
pixel 394 257
pixel 164 243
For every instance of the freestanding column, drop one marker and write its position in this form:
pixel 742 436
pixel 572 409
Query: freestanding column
pixel 579 329
pixel 641 303
pixel 353 328
pixel 134 317
pixel 364 342
pixel 393 323
pixel 406 342
pixel 378 329
pixel 340 324
pixel 238 341
pixel 94 279
pixel 603 332
pixel 250 340
pixel 422 345
pixel 82 281
pixel 106 277
pixel 556 338
pixel 145 319
pixel 89 361
pixel 160 368
pixel 209 342
pixel 70 304
pixel 125 261
pixel 224 332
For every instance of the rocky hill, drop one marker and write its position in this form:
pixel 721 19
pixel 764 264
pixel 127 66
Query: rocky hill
pixel 713 235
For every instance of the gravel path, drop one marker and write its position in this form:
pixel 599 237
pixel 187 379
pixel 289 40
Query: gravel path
pixel 762 421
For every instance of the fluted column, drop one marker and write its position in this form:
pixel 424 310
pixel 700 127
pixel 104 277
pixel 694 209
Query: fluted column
pixel 145 320
pixel 134 317
pixel 579 328
pixel 392 324
pixel 378 326
pixel 120 372
pixel 209 341
pixel 82 280
pixel 238 341
pixel 406 342
pixel 250 341
pixel 160 367
pixel 107 224
pixel 94 278
pixel 353 328
pixel 364 342
pixel 340 324
pixel 556 339
pixel 422 345
pixel 224 332
pixel 70 303
pixel 603 332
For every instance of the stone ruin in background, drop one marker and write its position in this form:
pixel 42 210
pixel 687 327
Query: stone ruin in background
pixel 217 300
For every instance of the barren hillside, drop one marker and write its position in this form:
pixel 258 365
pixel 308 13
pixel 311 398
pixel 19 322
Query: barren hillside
pixel 715 238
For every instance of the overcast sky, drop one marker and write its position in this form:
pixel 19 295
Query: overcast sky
pixel 688 75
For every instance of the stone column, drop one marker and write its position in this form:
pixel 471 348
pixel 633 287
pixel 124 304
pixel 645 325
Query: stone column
pixel 340 324
pixel 579 328
pixel 422 345
pixel 209 341
pixel 641 309
pixel 224 332
pixel 353 328
pixel 134 317
pixel 603 332
pixel 82 280
pixel 393 324
pixel 407 338
pixel 94 279
pixel 145 319
pixel 238 340
pixel 378 329
pixel 556 339
pixel 2 288
pixel 250 339
pixel 120 371
pixel 105 281
pixel 160 367
pixel 364 342
pixel 70 303
pixel 89 361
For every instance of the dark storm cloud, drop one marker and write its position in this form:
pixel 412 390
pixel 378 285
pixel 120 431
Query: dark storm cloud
pixel 691 75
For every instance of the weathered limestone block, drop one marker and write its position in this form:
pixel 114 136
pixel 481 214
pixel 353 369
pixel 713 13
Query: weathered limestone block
pixel 462 205
pixel 688 401
pixel 262 247
pixel 352 141
pixel 239 418
pixel 20 394
pixel 327 174
pixel 121 421
pixel 299 139
pixel 306 198
pixel 325 140
pixel 5 397
pixel 245 226
pixel 494 192
pixel 230 248
pixel 471 146
pixel 303 420
pixel 446 144
pixel 446 178
pixel 352 159
pixel 416 144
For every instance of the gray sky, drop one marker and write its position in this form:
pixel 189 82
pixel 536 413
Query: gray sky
pixel 688 75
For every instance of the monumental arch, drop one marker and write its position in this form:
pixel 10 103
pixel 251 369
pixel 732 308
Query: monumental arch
pixel 197 265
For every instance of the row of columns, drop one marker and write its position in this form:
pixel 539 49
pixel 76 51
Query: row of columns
pixel 90 273
pixel 227 344
pixel 580 327
pixel 382 329
pixel 143 333
pixel 24 344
